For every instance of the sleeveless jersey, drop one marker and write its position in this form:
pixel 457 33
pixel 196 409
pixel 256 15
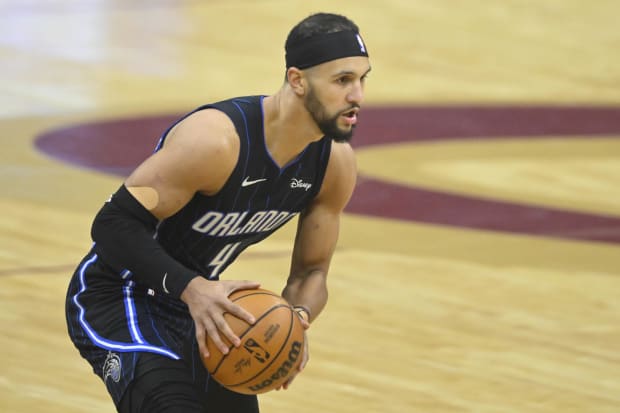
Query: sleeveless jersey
pixel 259 197
pixel 111 318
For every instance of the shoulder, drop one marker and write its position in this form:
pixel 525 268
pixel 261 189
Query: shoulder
pixel 206 144
pixel 342 158
pixel 207 128
pixel 340 176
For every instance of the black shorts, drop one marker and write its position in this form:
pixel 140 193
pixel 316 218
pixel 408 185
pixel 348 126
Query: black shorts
pixel 125 331
pixel 163 385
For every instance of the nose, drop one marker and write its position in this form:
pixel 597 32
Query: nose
pixel 356 94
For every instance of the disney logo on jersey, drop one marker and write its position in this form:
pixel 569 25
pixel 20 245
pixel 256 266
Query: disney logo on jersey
pixel 298 183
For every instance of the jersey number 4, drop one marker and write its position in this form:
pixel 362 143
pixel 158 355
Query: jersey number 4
pixel 222 259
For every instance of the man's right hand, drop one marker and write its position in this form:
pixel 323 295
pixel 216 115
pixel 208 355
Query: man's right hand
pixel 207 302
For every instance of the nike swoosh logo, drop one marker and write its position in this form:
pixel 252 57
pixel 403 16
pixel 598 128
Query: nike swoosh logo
pixel 163 284
pixel 247 182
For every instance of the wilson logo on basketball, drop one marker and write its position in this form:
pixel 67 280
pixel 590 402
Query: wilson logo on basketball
pixel 283 370
pixel 256 350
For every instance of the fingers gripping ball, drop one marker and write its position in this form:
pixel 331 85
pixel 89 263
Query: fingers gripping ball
pixel 270 350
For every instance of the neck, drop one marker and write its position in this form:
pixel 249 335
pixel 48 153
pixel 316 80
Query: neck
pixel 289 128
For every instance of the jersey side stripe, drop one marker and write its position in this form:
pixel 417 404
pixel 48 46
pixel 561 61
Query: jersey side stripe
pixel 130 311
pixel 102 342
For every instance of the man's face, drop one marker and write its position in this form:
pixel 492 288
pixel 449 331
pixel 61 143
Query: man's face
pixel 335 93
pixel 328 123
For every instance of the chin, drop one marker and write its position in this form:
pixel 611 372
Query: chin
pixel 343 137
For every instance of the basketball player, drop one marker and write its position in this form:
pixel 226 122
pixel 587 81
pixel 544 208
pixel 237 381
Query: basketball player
pixel 225 176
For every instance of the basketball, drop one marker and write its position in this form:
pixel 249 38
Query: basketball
pixel 270 351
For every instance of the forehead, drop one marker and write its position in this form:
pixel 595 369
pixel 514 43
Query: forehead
pixel 356 65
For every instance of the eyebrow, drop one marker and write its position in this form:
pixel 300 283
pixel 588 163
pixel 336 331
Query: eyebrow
pixel 351 72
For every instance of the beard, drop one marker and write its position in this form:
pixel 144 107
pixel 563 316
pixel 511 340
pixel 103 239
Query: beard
pixel 328 124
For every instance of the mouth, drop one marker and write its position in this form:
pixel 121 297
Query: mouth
pixel 350 116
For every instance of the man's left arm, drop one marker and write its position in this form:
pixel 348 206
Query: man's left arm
pixel 317 235
pixel 316 238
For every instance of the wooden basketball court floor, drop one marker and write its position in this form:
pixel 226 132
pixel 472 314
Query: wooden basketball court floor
pixel 478 268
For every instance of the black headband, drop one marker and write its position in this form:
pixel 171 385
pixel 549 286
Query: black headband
pixel 323 48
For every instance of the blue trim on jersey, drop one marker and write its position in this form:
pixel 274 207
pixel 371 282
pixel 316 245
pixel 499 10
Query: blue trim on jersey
pixel 130 312
pixel 247 138
pixel 109 344
pixel 247 135
pixel 163 136
pixel 126 274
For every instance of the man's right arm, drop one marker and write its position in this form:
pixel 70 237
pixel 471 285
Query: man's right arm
pixel 195 157
pixel 198 156
pixel 123 232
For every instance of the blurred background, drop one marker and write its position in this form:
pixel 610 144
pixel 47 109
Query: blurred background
pixel 479 263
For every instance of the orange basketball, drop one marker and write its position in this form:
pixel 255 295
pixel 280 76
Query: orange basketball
pixel 270 351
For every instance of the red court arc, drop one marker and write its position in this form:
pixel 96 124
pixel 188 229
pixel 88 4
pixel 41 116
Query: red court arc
pixel 118 146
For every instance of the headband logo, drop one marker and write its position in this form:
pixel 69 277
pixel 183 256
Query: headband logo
pixel 361 42
pixel 324 47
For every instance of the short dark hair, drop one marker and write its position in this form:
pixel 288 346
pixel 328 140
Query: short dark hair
pixel 319 23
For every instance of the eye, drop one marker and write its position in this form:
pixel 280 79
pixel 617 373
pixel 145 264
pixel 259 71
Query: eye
pixel 345 79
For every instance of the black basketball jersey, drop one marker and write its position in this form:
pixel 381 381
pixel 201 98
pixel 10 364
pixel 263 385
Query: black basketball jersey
pixel 259 197
pixel 110 322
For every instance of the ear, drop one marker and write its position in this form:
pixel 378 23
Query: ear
pixel 296 80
